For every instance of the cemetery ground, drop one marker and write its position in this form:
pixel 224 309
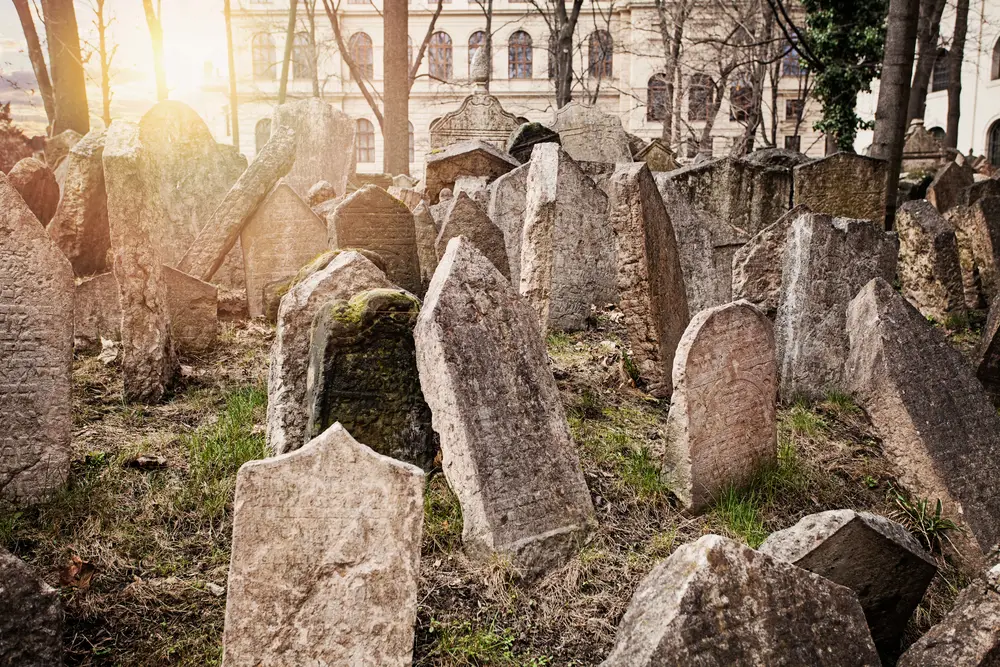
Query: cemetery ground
pixel 139 540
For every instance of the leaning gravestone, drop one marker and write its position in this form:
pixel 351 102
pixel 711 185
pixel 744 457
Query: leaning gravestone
pixel 326 557
pixel 465 218
pixel 325 143
pixel 717 602
pixel 523 140
pixel 426 234
pixel 590 135
pixel 511 462
pixel 936 423
pixel 36 349
pixel 650 278
pixel 31 618
pixel 287 416
pixel 946 189
pixel 977 232
pixel 80 224
pixel 826 262
pixel 844 185
pixel 37 186
pixel 469 159
pixel 363 374
pixel 757 264
pixel 508 199
pixel 986 355
pixel 929 269
pixel 979 190
pixel 58 147
pixel 567 256
pixel 282 235
pixel 722 422
pixel 373 219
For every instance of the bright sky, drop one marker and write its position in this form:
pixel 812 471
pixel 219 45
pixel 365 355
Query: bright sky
pixel 193 35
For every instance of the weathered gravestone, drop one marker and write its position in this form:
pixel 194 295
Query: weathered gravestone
pixel 31 617
pixel 826 262
pixel 989 187
pixel 929 269
pixel 876 558
pixel 587 133
pixel 282 235
pixel 37 186
pixel 844 185
pixel 757 264
pixel 922 151
pixel 363 374
pixel 320 192
pixel 287 415
pixel 373 219
pixel 656 156
pixel 567 256
pixel 510 462
pixel 523 140
pixel 722 426
pixel 324 143
pixel 945 191
pixel 468 158
pixel 986 356
pixel 326 557
pixel 36 349
pixel 650 278
pixel 969 636
pixel 777 157
pixel 481 117
pixel 465 218
pixel 936 423
pixel 97 312
pixel 508 199
pixel 412 198
pixel 977 230
pixel 426 234
pixel 148 359
pixel 80 224
pixel 716 602
pixel 58 147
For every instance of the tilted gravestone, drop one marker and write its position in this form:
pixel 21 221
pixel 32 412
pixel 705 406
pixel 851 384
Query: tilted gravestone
pixel 58 147
pixel 511 462
pixel 320 192
pixel 717 602
pixel 426 234
pixel 36 348
pixel 363 374
pixel 282 235
pixel 326 557
pixel 468 158
pixel 508 199
pixel 31 618
pixel 826 262
pixel 986 356
pixel 650 278
pixel 373 219
pixel 979 190
pixel 466 218
pixel 757 264
pixel 287 414
pixel 481 117
pixel 876 558
pixel 523 140
pixel 977 230
pixel 37 186
pixel 929 269
pixel 937 425
pixel 588 134
pixel 80 225
pixel 412 198
pixel 567 256
pixel 722 425
pixel 945 191
pixel 844 185
pixel 324 143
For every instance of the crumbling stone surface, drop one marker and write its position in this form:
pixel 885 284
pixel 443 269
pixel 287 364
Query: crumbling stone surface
pixel 31 617
pixel 466 218
pixel 929 268
pixel 58 147
pixel 37 186
pixel 480 117
pixel 466 158
pixel 757 264
pixel 324 139
pixel 426 235
pixel 945 191
pixel 843 185
pixel 587 133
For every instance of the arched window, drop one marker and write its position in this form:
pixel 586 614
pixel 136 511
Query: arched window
pixel 791 64
pixel 993 144
pixel 995 69
pixel 656 97
pixel 360 46
pixel 302 57
pixel 412 152
pixel 476 40
pixel 701 96
pixel 740 100
pixel 264 56
pixel 939 77
pixel 366 141
pixel 601 53
pixel 261 133
pixel 519 55
pixel 439 56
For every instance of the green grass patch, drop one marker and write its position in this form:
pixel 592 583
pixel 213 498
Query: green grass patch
pixel 442 515
pixel 463 645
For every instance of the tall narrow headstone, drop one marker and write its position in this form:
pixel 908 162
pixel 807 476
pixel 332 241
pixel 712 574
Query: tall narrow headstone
pixel 37 186
pixel 508 199
pixel 511 462
pixel 31 617
pixel 650 278
pixel 36 354
pixel 326 557
pixel 325 143
pixel 929 269
pixel 844 185
pixel 426 234
pixel 466 218
pixel 757 264
pixel 590 135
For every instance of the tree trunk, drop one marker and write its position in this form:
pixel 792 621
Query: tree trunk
pixel 69 86
pixel 156 36
pixel 310 7
pixel 955 57
pixel 287 57
pixel 395 131
pixel 705 144
pixel 672 50
pixel 234 109
pixel 928 29
pixel 489 42
pixel 37 58
pixel 105 58
pixel 894 94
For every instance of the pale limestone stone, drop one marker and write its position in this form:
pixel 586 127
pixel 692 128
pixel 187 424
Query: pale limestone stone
pixel 325 143
pixel 31 617
pixel 757 264
pixel 587 133
pixel 37 186
pixel 507 202
pixel 468 158
pixel 844 185
pixel 58 147
pixel 426 234
pixel 929 269
pixel 481 117
pixel 97 312
pixel 466 218
pixel 320 192
pixel 412 198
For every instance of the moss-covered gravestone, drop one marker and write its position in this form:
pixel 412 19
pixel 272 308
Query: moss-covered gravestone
pixel 363 374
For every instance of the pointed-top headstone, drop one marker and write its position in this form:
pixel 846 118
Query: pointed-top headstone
pixel 80 224
pixel 948 186
pixel 38 187
pixel 508 199
pixel 466 218
pixel 657 156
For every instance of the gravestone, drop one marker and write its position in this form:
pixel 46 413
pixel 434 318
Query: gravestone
pixel 757 264
pixel 326 557
pixel 439 209
pixel 523 140
pixel 412 198
pixel 468 158
pixel 282 235
pixel 986 355
pixel 826 262
pixel 980 227
pixel 567 256
pixel 481 117
pixel 320 192
pixel 936 424
pixel 989 187
pixel 929 269
pixel 426 234
pixel 945 191
pixel 922 151
pixel 656 156
pixel 363 374
pixel 587 133
pixel 508 200
pixel 287 415
pixel 324 143
pixel 777 157
pixel 717 602
pixel 80 225
pixel 876 558
pixel 31 617
pixel 36 348
pixel 722 425
pixel 97 312
pixel 58 147
pixel 37 186
pixel 650 278
pixel 373 219
pixel 510 462
pixel 465 218
pixel 844 185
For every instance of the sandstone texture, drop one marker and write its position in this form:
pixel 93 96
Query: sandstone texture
pixel 587 133
pixel 466 158
pixel 31 617
pixel 929 268
pixel 481 117
pixel 426 235
pixel 37 186
pixel 945 191
pixel 465 218
pixel 324 143
pixel 842 185
pixel 508 199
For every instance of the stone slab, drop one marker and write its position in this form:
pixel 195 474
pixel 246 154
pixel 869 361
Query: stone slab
pixel 465 218
pixel 929 270
pixel 843 185
pixel 587 133
pixel 31 618
pixel 325 143
pixel 37 186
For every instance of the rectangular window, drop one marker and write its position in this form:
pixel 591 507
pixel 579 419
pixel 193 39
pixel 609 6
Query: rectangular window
pixel 793 143
pixel 794 109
